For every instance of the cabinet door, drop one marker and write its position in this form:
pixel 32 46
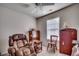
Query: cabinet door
pixel 65 42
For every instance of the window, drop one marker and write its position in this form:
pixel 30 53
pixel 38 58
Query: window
pixel 53 27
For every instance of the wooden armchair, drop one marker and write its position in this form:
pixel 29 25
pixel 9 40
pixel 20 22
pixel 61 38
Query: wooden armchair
pixel 52 42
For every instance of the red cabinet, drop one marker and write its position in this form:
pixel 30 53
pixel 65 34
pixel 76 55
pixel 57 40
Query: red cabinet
pixel 66 37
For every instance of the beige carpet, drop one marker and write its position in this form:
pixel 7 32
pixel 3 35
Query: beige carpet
pixel 49 52
pixel 44 52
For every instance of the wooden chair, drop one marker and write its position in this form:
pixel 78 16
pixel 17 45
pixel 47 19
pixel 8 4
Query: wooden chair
pixel 52 43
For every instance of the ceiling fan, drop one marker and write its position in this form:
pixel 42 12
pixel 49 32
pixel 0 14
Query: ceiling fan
pixel 38 4
pixel 44 4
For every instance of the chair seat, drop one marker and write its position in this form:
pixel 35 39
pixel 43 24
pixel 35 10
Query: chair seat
pixel 51 42
pixel 26 51
pixel 37 41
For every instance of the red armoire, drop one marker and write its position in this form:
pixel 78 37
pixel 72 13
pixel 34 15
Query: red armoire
pixel 67 35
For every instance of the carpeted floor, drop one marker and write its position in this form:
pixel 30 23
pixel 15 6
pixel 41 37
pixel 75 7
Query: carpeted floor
pixel 49 52
pixel 44 52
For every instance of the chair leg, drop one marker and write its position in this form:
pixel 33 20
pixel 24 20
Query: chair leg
pixel 47 46
pixel 54 49
pixel 41 46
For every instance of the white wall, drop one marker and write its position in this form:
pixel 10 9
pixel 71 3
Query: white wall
pixel 13 22
pixel 69 15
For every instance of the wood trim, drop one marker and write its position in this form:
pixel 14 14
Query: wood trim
pixel 55 11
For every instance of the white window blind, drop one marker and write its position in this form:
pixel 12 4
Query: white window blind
pixel 53 27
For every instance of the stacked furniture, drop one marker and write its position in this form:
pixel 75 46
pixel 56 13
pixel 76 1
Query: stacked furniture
pixel 67 35
pixel 34 40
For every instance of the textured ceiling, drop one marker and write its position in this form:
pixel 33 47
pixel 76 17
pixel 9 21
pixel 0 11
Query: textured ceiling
pixel 33 10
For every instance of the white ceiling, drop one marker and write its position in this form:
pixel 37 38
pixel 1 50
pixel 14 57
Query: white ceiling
pixel 32 10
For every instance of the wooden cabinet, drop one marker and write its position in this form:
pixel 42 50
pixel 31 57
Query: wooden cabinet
pixel 66 37
pixel 34 34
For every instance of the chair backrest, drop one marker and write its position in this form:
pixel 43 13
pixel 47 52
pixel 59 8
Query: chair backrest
pixel 53 38
pixel 18 39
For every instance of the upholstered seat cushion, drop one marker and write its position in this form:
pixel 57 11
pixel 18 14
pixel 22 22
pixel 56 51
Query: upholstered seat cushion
pixel 37 41
pixel 20 43
pixel 11 50
pixel 26 51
